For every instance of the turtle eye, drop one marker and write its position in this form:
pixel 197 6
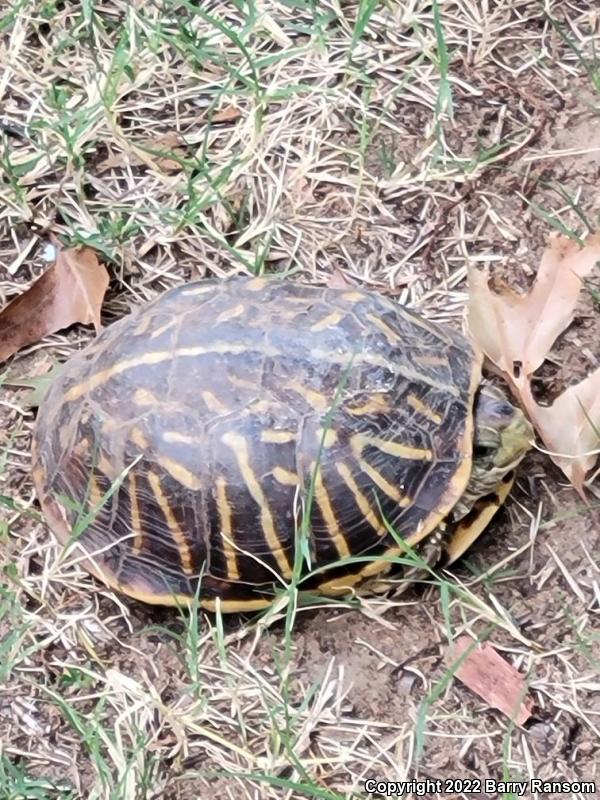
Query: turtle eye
pixel 483 450
pixel 503 409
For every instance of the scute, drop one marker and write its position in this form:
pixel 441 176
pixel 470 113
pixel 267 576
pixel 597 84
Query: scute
pixel 203 418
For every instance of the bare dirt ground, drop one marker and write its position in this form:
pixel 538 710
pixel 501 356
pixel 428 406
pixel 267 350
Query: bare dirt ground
pixel 390 142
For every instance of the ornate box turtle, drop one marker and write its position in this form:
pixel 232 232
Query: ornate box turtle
pixel 190 445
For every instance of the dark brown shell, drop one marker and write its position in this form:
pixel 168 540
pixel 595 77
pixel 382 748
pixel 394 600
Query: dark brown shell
pixel 190 439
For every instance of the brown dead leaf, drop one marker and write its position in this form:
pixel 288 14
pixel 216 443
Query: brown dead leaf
pixel 570 427
pixel 516 332
pixel 70 291
pixel 485 672
pixel 226 114
pixel 339 280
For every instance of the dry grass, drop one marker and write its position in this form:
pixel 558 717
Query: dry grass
pixel 385 141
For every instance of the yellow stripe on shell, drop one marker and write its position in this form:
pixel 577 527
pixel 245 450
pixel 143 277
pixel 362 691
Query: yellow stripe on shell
pixel 376 404
pixel 180 473
pixel 95 494
pixel 175 469
pixel 289 314
pixel 328 437
pixel 392 448
pixel 192 291
pixel 146 595
pixel 433 328
pixel 82 448
pixel 179 538
pixel 285 476
pixel 429 360
pixel 136 525
pixel 458 482
pixel 386 487
pixel 378 566
pixel 256 284
pixel 270 436
pixel 143 397
pixel 360 499
pixel 139 439
pixel 157 357
pixel 236 606
pixel 241 383
pixel 422 408
pixel 340 585
pixel 352 297
pixel 225 515
pixel 174 437
pixel 328 322
pixel 262 406
pixel 164 328
pixel 106 467
pixel 142 327
pixel 213 403
pixel 109 425
pixel 316 400
pixel 390 334
pixel 231 313
pixel 371 359
pixel 291 300
pixel 382 564
pixel 322 500
pixel 240 448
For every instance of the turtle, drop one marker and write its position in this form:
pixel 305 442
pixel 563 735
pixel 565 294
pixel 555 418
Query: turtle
pixel 231 436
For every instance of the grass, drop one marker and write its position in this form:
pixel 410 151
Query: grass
pixel 585 51
pixel 18 785
pixel 315 140
pixel 443 106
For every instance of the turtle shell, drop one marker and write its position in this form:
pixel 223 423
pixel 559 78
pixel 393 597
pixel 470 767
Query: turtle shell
pixel 187 449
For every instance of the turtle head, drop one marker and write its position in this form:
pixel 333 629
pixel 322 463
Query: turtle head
pixel 502 437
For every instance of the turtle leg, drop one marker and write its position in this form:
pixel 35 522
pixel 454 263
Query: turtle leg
pixel 469 527
pixel 450 539
pixel 431 552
